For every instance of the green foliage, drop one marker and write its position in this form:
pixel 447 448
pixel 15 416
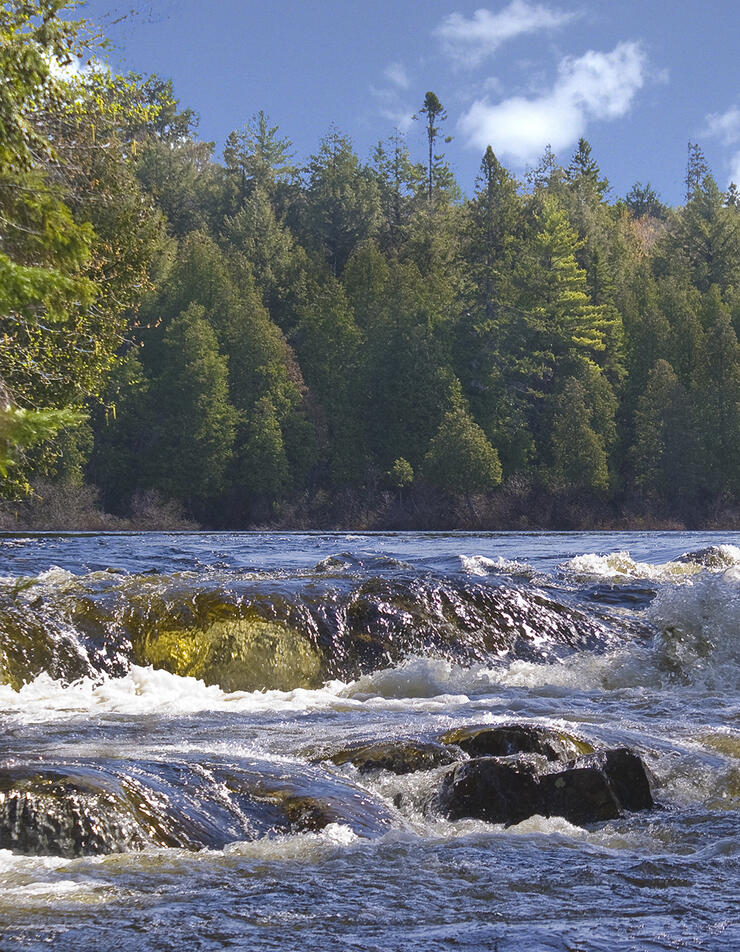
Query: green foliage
pixel 21 429
pixel 192 422
pixel 401 474
pixel 258 157
pixel 460 458
pixel 643 201
pixel 665 449
pixel 399 180
pixel 343 200
pixel 242 335
pixel 440 185
pixel 579 455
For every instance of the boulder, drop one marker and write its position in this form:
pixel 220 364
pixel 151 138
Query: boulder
pixel 98 806
pixel 507 790
pixel 497 789
pixel 504 740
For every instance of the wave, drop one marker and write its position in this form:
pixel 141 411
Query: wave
pixel 620 566
pixel 481 566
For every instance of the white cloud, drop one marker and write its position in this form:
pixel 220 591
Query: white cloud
pixel 396 74
pixel 470 41
pixel 392 107
pixel 593 86
pixel 724 125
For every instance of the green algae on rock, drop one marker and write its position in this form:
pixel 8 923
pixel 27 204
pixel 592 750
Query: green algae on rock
pixel 237 654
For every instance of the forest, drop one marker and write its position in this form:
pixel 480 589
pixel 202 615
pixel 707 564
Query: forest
pixel 250 339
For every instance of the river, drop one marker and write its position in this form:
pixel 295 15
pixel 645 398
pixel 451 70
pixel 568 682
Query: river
pixel 171 704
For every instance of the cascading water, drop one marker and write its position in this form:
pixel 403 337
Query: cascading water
pixel 215 740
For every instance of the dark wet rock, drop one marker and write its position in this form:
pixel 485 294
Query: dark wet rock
pixel 491 788
pixel 508 790
pixel 579 794
pixel 627 776
pixel 105 806
pixel 247 633
pixel 504 740
pixel 399 757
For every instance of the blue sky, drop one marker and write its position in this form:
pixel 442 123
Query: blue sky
pixel 638 78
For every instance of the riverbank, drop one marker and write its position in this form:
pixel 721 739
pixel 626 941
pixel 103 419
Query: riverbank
pixel 512 508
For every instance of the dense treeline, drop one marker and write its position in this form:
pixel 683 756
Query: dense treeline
pixel 350 341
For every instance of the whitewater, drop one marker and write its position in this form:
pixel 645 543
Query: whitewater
pixel 178 708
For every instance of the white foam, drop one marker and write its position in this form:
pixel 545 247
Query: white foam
pixel 620 566
pixel 148 691
pixel 296 846
pixel 480 565
pixel 699 629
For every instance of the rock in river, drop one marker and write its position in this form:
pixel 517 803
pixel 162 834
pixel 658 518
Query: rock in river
pixel 509 789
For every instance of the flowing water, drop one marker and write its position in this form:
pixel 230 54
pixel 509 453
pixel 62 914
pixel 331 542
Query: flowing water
pixel 169 703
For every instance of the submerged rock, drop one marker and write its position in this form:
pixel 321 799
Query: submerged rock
pixel 506 739
pixel 399 757
pixel 237 654
pixel 508 790
pixel 245 632
pixel 97 807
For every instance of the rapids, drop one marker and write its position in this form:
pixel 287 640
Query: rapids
pixel 170 704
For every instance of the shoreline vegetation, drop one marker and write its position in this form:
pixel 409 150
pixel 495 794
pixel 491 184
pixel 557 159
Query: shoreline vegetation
pixel 256 340
pixel 54 507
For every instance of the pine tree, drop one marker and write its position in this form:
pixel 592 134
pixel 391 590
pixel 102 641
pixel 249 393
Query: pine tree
pixel 665 451
pixel 192 422
pixel 583 173
pixel 579 455
pixel 460 459
pixel 343 200
pixel 562 323
pixel 441 187
pixel 257 157
pixel 706 239
pixel 399 180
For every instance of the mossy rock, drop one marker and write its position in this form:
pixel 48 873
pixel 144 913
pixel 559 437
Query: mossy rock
pixel 399 757
pixel 238 654
pixel 503 740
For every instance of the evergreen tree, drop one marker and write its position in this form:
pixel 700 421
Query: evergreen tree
pixel 460 459
pixel 706 238
pixel 192 422
pixel 561 323
pixel 365 279
pixel 489 327
pixel 643 201
pixel 579 455
pixel 665 450
pixel 257 157
pixel 717 389
pixel 399 180
pixel 343 200
pixel 279 265
pixel 265 471
pixel 583 173
pixel 440 182
pixel 328 343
